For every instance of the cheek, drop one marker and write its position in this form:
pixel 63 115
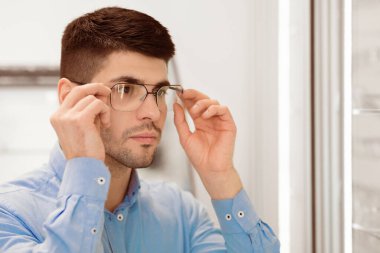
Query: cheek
pixel 119 122
pixel 161 121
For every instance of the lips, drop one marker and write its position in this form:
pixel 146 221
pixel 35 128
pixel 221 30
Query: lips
pixel 145 138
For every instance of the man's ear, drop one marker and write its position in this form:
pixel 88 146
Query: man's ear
pixel 64 88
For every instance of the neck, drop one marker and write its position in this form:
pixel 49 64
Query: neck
pixel 120 177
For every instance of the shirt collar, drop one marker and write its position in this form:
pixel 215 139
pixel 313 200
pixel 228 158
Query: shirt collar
pixel 133 188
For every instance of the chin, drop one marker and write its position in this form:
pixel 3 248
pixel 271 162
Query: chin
pixel 143 163
pixel 141 159
pixel 132 156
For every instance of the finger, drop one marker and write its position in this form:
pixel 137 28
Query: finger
pixel 218 110
pixel 83 103
pixel 190 97
pixel 181 124
pixel 88 100
pixel 79 92
pixel 97 108
pixel 200 106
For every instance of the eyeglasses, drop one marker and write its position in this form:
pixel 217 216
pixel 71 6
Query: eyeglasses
pixel 127 97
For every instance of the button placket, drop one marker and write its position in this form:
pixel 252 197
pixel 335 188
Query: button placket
pixel 120 217
pixel 228 217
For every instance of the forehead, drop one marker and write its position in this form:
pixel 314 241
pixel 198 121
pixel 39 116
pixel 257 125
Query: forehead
pixel 123 63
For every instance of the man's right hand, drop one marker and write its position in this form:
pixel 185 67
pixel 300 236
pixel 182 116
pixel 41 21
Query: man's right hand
pixel 83 109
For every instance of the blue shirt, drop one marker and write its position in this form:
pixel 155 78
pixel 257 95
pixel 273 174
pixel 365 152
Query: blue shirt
pixel 60 208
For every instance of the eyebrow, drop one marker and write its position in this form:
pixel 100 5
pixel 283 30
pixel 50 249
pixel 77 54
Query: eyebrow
pixel 133 80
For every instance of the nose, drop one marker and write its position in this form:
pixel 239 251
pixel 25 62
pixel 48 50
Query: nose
pixel 149 109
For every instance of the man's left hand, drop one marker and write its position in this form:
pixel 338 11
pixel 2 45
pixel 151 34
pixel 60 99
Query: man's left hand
pixel 210 146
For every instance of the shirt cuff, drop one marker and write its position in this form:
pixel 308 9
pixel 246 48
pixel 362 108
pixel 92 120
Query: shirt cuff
pixel 85 176
pixel 236 215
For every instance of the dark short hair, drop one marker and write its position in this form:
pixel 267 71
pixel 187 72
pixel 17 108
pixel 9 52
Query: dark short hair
pixel 89 39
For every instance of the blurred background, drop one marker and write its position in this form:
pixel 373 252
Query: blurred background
pixel 300 78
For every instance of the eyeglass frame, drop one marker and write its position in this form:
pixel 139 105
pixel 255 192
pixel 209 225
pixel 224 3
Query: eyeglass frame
pixel 154 92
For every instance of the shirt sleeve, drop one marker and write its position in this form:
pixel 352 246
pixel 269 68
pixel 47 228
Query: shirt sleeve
pixel 242 229
pixel 78 217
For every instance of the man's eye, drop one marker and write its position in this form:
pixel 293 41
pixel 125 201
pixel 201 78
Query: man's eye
pixel 127 89
pixel 124 89
pixel 161 92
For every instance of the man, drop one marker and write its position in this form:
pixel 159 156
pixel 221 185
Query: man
pixel 113 96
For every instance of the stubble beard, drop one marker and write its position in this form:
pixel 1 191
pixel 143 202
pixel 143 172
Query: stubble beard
pixel 117 155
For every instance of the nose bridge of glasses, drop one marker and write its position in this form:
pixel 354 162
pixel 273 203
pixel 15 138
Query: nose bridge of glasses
pixel 144 92
pixel 149 105
pixel 153 93
pixel 157 92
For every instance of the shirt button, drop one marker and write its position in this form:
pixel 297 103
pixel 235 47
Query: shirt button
pixel 101 180
pixel 120 217
pixel 228 216
pixel 240 214
pixel 93 231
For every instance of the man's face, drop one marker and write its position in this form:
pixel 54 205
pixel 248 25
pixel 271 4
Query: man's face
pixel 133 136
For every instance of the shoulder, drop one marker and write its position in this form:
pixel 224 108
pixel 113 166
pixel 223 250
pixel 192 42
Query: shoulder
pixel 37 184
